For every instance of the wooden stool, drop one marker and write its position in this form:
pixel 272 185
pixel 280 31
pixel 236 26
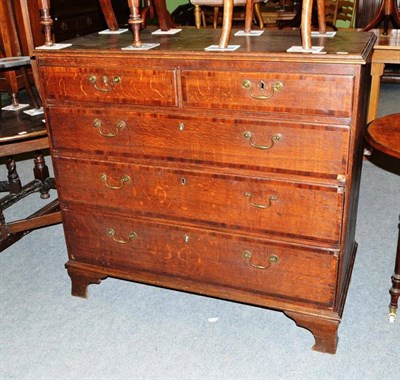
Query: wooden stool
pixel 383 134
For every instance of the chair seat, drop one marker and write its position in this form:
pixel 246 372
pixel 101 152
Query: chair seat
pixel 7 63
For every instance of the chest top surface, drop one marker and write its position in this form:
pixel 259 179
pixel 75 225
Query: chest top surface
pixel 344 47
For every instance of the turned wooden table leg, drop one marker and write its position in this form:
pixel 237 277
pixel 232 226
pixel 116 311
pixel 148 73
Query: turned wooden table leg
pixel 395 289
pixel 324 330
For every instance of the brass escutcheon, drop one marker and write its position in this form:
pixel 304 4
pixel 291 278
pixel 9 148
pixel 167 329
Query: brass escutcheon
pixel 111 232
pixel 262 86
pixel 108 85
pixel 247 255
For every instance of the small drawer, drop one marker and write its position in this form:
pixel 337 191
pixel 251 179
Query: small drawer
pixel 240 143
pixel 250 205
pixel 256 266
pixel 123 85
pixel 291 93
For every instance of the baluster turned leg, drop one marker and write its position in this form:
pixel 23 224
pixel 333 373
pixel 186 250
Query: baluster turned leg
pixel 135 21
pixel 41 172
pixel 14 183
pixel 46 21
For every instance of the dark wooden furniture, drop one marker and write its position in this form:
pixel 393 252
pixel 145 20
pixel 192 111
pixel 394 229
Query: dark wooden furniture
pixel 365 12
pixel 233 175
pixel 383 134
pixel 19 134
pixel 76 18
pixel 316 10
pixel 387 13
pixel 14 67
pixel 11 22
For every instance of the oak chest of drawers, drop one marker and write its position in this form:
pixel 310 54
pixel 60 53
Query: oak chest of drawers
pixel 232 175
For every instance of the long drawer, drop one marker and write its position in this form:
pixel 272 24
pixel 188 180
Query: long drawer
pixel 240 143
pixel 257 266
pixel 235 202
pixel 309 94
pixel 116 85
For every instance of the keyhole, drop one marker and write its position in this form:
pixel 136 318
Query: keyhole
pixel 262 85
pixel 183 181
pixel 181 126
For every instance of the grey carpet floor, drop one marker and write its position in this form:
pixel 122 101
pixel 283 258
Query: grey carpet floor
pixel 131 331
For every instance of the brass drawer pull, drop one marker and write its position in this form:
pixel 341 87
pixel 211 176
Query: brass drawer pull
pixel 258 205
pixel 124 179
pixel 248 135
pixel 247 255
pixel 111 232
pixel 262 86
pixel 98 124
pixel 108 85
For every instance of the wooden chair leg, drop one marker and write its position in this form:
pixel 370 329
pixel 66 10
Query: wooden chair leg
pixel 3 231
pixel 28 88
pixel 109 14
pixel 203 18
pixel 226 24
pixel 14 183
pixel 215 17
pixel 197 16
pixel 41 172
pixel 258 15
pixel 248 20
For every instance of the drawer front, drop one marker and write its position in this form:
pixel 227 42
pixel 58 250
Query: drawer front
pixel 309 94
pixel 239 203
pixel 109 85
pixel 260 145
pixel 202 256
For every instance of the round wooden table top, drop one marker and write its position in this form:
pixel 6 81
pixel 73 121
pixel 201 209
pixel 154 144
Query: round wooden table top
pixel 383 134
